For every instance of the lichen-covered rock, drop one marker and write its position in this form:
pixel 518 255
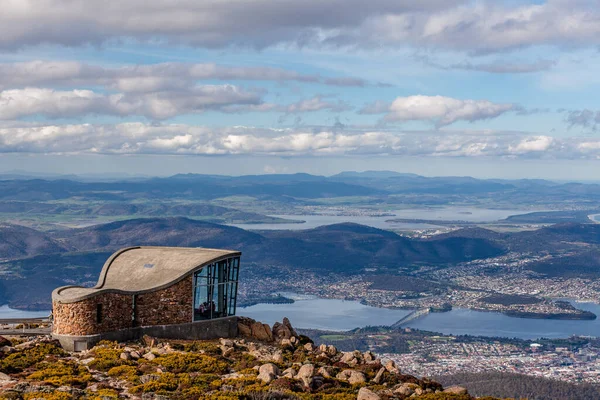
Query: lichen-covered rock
pixel 5 378
pixel 367 394
pixel 348 358
pixel 268 373
pixel 356 377
pixel 289 373
pixel 379 375
pixel 261 332
pixel 391 367
pixel 324 372
pixel 456 390
pixel 306 373
pixel 309 347
pixel 4 342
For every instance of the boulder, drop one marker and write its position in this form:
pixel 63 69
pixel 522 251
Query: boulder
pixel 261 332
pixel 5 378
pixel 149 356
pixel 287 324
pixel 309 347
pixel 149 341
pixel 379 376
pixel 268 372
pixel 404 390
pixel 289 373
pixel 368 357
pixel 323 348
pixel 344 375
pixel 456 390
pixel 367 394
pixel 4 342
pixel 86 361
pixel 278 357
pixel 287 344
pixel 135 355
pixel 331 350
pixel 226 342
pixel 227 351
pixel 306 373
pixel 391 367
pixel 282 331
pixel 347 358
pixel 356 377
pixel 125 356
pixel 324 372
pixel 244 330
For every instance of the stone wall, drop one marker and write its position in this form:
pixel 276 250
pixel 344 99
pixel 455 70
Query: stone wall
pixel 80 318
pixel 173 305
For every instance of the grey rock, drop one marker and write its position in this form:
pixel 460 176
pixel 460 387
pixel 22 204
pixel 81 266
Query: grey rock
pixel 367 394
pixel 268 372
pixel 356 377
pixel 456 390
pixel 379 375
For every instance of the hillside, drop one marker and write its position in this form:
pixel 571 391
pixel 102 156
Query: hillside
pixel 120 208
pixel 180 232
pixel 520 386
pixel 342 248
pixel 262 363
pixel 18 241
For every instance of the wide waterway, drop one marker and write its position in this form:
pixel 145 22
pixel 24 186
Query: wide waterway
pixel 469 214
pixel 340 315
pixel 9 313
pixel 326 314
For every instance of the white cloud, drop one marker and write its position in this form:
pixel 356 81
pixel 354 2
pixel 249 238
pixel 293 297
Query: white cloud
pixel 150 77
pixel 139 138
pixel 19 103
pixel 482 26
pixel 533 144
pixel 438 109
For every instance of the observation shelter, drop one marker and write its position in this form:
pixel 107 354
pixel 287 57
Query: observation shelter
pixel 168 292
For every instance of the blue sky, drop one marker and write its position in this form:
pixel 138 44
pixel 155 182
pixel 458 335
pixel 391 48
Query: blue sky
pixel 481 88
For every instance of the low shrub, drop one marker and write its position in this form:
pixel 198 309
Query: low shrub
pixel 125 372
pixel 61 374
pixel 21 360
pixel 191 362
pixel 106 358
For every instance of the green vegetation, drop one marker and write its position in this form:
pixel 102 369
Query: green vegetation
pixel 19 361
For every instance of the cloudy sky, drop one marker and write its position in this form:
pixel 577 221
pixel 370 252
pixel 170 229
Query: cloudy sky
pixel 438 87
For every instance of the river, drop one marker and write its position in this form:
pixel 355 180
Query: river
pixel 7 313
pixel 341 315
pixel 326 314
pixel 469 214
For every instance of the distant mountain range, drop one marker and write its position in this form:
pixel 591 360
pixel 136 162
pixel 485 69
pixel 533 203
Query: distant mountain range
pixel 43 261
pixel 295 187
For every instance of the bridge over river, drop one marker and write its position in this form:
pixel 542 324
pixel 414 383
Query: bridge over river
pixel 421 312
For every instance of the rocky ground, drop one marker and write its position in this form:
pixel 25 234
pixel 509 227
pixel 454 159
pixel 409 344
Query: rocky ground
pixel 263 363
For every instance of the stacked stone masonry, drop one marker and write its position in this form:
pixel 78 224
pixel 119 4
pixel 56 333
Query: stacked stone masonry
pixel 172 305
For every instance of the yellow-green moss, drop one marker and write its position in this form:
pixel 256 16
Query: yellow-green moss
pixel 102 394
pixel 125 372
pixel 191 362
pixel 23 359
pixel 61 373
pixel 106 358
pixel 47 396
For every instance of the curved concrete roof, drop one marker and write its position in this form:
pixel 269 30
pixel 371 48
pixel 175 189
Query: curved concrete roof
pixel 144 269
